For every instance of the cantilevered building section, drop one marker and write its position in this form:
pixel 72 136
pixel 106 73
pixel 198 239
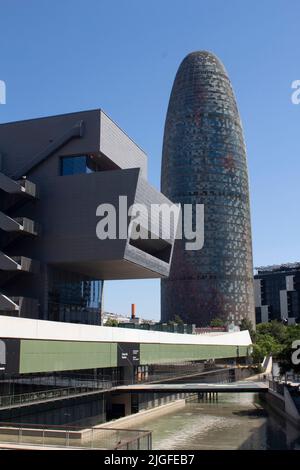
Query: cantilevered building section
pixel 54 173
pixel 204 162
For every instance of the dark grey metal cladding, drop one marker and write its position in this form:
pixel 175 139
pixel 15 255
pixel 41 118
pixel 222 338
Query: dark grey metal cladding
pixel 67 213
pixel 11 229
pixel 23 187
pixel 119 148
pixel 27 144
pixel 23 140
pixel 204 162
pixel 128 354
pixel 160 242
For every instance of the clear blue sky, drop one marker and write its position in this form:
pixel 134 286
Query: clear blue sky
pixel 60 56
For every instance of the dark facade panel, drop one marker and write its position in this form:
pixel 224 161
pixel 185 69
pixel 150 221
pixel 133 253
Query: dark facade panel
pixel 9 356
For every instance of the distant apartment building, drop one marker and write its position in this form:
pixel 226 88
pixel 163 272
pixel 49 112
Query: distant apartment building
pixel 107 316
pixel 277 293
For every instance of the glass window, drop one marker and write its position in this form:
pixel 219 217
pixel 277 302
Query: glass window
pixel 74 298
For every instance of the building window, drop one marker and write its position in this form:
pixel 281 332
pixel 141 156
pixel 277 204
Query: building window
pixel 74 298
pixel 76 165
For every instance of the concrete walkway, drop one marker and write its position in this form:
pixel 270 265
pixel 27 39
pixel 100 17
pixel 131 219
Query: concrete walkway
pixel 238 387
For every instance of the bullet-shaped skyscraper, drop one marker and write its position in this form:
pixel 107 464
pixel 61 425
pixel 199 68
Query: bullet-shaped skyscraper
pixel 204 162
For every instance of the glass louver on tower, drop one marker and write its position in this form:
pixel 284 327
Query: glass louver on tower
pixel 204 162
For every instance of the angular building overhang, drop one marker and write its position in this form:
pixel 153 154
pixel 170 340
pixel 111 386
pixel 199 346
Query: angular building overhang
pixel 67 214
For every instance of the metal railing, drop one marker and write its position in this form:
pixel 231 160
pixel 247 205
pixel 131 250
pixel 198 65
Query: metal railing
pixel 276 386
pixel 169 372
pixel 292 377
pixel 55 387
pixel 60 381
pixel 106 438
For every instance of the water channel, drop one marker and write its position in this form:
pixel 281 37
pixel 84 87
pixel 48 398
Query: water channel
pixel 236 421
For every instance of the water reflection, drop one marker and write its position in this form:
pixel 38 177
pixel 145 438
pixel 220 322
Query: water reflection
pixel 237 421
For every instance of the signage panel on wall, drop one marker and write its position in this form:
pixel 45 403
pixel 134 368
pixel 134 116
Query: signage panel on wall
pixel 128 354
pixel 9 355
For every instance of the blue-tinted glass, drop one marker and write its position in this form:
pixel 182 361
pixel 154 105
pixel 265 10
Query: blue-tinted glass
pixel 74 298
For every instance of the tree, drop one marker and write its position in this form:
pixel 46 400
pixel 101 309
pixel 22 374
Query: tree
pixel 111 322
pixel 265 345
pixel 217 322
pixel 292 333
pixel 246 324
pixel 273 328
pixel 178 320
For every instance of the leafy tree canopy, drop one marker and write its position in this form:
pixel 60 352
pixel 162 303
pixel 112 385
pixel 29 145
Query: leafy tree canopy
pixel 276 339
pixel 111 322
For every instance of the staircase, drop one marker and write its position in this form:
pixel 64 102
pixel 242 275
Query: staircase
pixel 14 195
